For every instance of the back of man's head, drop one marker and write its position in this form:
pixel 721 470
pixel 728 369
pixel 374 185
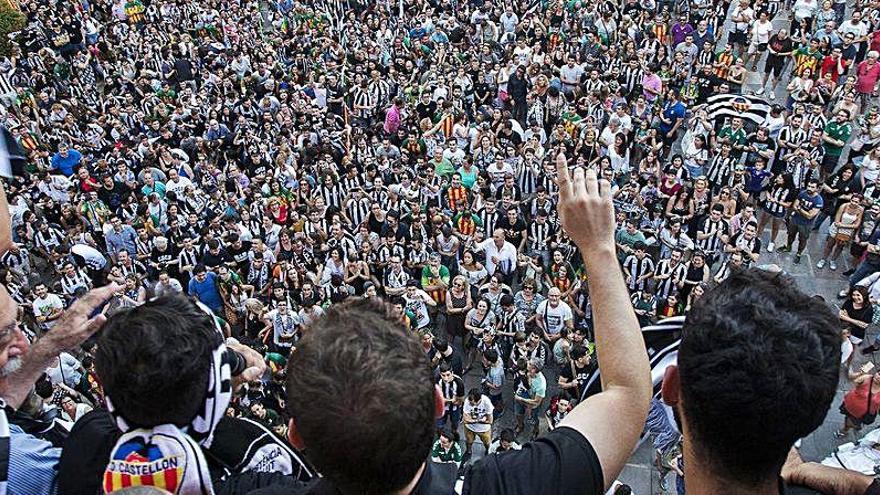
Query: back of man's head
pixel 153 361
pixel 361 398
pixel 758 367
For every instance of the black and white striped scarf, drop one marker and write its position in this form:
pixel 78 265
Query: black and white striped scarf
pixel 165 454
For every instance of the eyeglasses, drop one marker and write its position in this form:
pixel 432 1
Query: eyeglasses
pixel 528 287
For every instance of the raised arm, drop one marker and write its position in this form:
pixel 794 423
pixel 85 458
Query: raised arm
pixel 613 419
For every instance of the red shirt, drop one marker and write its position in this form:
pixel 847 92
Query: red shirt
pixel 829 66
pixel 875 41
pixel 856 400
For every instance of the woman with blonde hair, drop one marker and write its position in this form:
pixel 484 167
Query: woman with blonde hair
pixel 252 322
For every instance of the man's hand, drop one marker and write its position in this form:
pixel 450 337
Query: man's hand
pixel 585 208
pixel 72 329
pixel 76 323
pixel 613 419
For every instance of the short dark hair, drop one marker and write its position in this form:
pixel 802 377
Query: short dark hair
pixel 359 371
pixel 153 361
pixel 759 364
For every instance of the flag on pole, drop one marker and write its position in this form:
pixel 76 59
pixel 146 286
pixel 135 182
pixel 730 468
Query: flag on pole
pixel 661 341
pixel 12 156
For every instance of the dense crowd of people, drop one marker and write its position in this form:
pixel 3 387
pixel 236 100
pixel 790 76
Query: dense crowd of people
pixel 274 159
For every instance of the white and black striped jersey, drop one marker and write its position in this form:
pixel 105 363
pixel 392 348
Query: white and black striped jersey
pixel 721 170
pixel 489 219
pixel 394 279
pixel 512 321
pixel 705 57
pixel 380 91
pixel 526 177
pixel 311 228
pixel 712 244
pixel 187 257
pixel 332 195
pixel 385 252
pixel 540 234
pixel 452 390
pixel 817 122
pixel 802 169
pixel 793 136
pixel 636 268
pixel 70 283
pixel 350 183
pixel 630 77
pixel 747 246
pixel 357 210
pixel 20 261
pixel 780 194
pixel 134 268
pixel 49 239
pixel 669 285
pixel 363 98
pixel 346 245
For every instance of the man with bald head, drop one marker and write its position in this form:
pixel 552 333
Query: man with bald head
pixel 500 254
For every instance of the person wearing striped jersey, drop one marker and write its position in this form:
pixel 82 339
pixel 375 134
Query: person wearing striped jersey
pixel 712 233
pixel 638 268
pixel 670 274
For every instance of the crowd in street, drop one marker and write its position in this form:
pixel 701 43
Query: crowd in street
pixel 271 159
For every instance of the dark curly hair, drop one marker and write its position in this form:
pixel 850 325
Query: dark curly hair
pixel 153 361
pixel 759 365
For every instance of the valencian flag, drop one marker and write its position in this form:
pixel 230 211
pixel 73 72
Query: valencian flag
pixel 143 464
pixel 748 107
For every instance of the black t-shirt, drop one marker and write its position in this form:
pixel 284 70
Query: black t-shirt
pixel 212 260
pixel 74 30
pixel 514 231
pixel 779 46
pixel 562 461
pixel 436 479
pixel 240 254
pixel 583 374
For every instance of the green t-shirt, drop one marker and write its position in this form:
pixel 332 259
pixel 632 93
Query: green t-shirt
pixel 451 455
pixel 624 237
pixel 837 131
pixel 444 168
pixel 737 137
pixel 428 278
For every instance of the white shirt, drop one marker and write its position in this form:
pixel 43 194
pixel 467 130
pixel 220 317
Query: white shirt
pixel 554 318
pixel 743 13
pixel 172 287
pixel 68 370
pixel 178 186
pixel 94 259
pixel 479 411
pixel 761 32
pixel 505 258
pixel 44 307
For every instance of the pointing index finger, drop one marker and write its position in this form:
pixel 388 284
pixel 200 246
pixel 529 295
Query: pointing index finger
pixel 563 179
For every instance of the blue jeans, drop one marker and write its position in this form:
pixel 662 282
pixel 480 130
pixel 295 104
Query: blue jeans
pixel 863 270
pixel 454 418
